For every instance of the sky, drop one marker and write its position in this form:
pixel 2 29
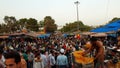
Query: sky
pixel 91 12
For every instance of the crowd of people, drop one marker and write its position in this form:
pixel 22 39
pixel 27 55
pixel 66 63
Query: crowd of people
pixel 53 52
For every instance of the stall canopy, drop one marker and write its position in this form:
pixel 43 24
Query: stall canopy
pixel 4 37
pixel 99 35
pixel 44 36
pixel 113 26
pixel 65 35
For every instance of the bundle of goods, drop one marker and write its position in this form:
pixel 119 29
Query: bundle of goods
pixel 85 62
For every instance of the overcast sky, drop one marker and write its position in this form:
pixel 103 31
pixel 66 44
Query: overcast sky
pixel 91 12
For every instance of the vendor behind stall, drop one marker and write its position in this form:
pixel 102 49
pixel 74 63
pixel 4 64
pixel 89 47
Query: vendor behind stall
pixel 99 52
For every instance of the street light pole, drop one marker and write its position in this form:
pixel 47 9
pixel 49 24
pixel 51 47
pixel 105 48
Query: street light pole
pixel 77 3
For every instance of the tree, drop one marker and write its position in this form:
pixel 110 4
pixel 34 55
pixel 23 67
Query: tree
pixel 50 25
pixel 32 24
pixel 114 19
pixel 22 23
pixel 71 27
pixel 11 23
pixel 4 28
pixel 10 19
pixel 41 24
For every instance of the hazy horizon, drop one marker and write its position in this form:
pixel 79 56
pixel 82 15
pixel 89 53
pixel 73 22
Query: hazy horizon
pixel 92 12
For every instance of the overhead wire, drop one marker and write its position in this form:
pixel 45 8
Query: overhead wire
pixel 107 11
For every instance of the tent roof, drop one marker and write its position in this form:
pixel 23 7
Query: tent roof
pixel 44 36
pixel 114 26
pixel 99 35
pixel 3 37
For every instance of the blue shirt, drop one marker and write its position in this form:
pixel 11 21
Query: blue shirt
pixel 62 60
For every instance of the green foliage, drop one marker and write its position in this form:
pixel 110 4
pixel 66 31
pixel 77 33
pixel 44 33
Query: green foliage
pixel 32 24
pixel 4 28
pixel 114 19
pixel 71 27
pixel 10 23
pixel 41 24
pixel 49 24
pixel 10 19
pixel 22 23
pixel 48 20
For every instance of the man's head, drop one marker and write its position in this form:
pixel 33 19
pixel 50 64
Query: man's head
pixel 12 60
pixel 52 52
pixel 42 51
pixel 93 40
pixel 62 51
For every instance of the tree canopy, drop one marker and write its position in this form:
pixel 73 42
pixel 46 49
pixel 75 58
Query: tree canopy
pixel 114 19
pixel 50 25
pixel 71 27
pixel 11 24
pixel 32 24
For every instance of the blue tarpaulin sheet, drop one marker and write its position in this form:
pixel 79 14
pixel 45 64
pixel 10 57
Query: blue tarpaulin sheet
pixel 44 36
pixel 114 26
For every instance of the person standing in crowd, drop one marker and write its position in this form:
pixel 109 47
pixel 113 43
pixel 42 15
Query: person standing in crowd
pixel 12 60
pixel 69 57
pixel 62 61
pixel 30 59
pixel 44 59
pixel 23 62
pixel 118 44
pixel 99 52
pixel 51 59
pixel 1 63
pixel 25 56
pixel 38 61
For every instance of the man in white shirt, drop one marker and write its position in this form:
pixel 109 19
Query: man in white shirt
pixel 44 58
pixel 51 59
